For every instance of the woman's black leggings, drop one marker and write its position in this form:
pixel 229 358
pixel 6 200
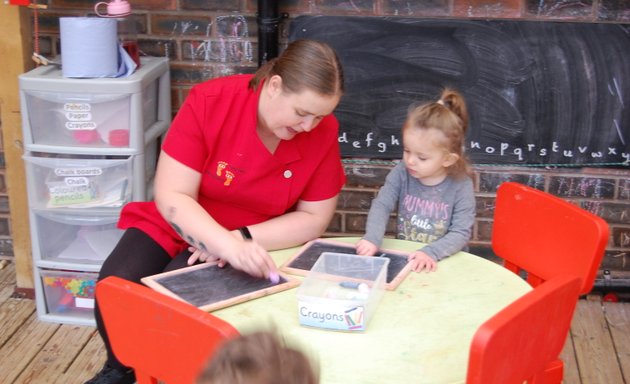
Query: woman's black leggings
pixel 135 256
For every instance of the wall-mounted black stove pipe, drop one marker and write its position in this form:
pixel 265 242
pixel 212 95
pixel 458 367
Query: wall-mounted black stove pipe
pixel 268 20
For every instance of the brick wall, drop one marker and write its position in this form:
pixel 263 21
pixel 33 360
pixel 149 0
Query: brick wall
pixel 605 192
pixel 211 38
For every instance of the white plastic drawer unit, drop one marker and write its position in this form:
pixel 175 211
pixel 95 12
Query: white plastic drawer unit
pixel 68 293
pixel 56 182
pixel 101 115
pixel 83 237
pixel 85 119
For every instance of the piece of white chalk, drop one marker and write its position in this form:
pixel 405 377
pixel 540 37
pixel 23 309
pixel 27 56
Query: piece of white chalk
pixel 274 277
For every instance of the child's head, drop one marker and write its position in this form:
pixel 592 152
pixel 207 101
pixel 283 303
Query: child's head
pixel 434 134
pixel 259 358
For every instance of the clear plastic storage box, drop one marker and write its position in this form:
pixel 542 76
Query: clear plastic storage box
pixel 341 291
pixel 95 113
pixel 69 294
pixel 84 237
pixel 61 182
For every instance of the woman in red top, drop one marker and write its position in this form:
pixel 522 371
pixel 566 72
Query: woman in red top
pixel 250 163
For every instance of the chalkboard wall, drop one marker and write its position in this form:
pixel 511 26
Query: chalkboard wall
pixel 539 93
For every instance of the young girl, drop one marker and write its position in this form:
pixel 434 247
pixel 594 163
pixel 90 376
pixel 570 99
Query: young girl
pixel 432 186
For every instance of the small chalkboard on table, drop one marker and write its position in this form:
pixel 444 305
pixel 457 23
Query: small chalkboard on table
pixel 304 259
pixel 210 287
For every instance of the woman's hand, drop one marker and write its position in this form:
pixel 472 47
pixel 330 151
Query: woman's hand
pixel 421 261
pixel 203 257
pixel 207 257
pixel 252 258
pixel 366 248
pixel 248 257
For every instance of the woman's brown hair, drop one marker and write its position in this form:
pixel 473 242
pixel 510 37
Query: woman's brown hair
pixel 305 64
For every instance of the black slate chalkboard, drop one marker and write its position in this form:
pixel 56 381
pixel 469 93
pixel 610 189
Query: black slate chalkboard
pixel 209 287
pixel 539 93
pixel 305 258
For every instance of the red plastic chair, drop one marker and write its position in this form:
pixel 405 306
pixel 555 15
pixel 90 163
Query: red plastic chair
pixel 518 343
pixel 546 236
pixel 160 337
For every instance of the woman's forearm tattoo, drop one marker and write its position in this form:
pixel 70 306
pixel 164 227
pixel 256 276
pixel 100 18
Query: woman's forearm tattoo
pixel 189 239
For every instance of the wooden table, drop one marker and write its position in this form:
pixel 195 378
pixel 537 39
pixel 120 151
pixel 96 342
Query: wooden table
pixel 420 332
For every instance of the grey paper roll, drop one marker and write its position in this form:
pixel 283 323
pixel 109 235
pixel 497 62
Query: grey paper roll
pixel 89 47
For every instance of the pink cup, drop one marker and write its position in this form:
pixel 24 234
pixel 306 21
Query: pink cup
pixel 119 137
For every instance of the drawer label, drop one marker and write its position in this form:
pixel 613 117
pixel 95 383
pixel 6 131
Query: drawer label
pixel 77 107
pixel 76 181
pixel 78 116
pixel 80 125
pixel 81 302
pixel 62 194
pixel 88 171
pixel 63 189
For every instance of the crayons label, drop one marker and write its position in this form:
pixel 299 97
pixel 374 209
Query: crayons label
pixel 338 317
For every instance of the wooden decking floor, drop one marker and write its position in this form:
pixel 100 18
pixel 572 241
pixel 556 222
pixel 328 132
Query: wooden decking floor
pixel 32 351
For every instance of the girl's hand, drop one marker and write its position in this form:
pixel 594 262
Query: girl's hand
pixel 366 248
pixel 421 261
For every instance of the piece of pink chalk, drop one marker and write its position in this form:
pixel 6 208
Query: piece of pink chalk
pixel 274 277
